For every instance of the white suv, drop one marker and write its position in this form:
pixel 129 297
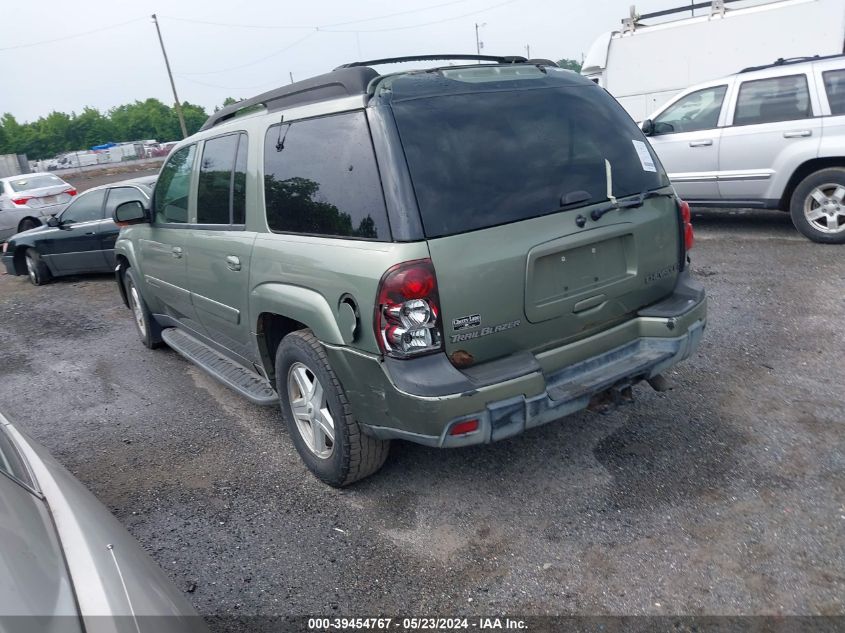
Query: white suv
pixel 769 137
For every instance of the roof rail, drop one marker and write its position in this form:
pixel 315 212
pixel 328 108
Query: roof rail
pixel 791 60
pixel 339 83
pixel 514 59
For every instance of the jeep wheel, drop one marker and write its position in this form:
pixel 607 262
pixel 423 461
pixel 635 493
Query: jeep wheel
pixel 36 269
pixel 318 415
pixel 148 329
pixel 818 206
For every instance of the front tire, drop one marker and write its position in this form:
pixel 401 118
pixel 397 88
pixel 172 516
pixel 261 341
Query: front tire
pixel 36 269
pixel 148 328
pixel 817 206
pixel 318 416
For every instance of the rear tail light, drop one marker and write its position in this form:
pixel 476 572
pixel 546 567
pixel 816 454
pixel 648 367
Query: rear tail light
pixel 71 192
pixel 21 200
pixel 407 319
pixel 686 221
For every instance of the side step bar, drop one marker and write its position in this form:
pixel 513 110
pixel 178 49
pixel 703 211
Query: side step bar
pixel 237 377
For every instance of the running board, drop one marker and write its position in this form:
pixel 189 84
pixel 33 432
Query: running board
pixel 237 377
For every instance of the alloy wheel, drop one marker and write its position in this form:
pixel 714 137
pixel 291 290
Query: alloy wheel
pixel 310 410
pixel 824 208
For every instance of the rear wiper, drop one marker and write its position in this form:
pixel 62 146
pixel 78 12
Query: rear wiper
pixel 630 203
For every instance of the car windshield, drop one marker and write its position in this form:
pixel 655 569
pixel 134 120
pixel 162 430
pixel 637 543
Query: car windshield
pixel 35 181
pixel 480 159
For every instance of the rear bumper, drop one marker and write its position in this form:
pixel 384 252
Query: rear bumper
pixel 422 402
pixel 9 263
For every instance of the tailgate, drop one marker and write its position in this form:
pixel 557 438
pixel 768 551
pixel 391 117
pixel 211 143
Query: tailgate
pixel 543 282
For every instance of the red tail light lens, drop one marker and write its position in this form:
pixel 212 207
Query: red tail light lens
pixel 462 428
pixel 686 218
pixel 71 192
pixel 21 200
pixel 407 319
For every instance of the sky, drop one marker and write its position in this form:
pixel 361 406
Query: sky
pixel 63 56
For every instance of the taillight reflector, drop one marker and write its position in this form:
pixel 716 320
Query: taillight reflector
pixel 462 428
pixel 72 192
pixel 21 200
pixel 686 218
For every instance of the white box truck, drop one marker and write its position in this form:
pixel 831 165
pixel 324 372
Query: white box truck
pixel 644 64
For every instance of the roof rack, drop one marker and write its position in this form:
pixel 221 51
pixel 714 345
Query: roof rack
pixel 514 59
pixel 716 7
pixel 344 81
pixel 780 61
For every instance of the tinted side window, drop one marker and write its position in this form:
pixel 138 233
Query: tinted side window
pixel 320 178
pixel 696 111
pixel 87 207
pixel 239 183
pixel 834 85
pixel 213 193
pixel 771 100
pixel 119 195
pixel 173 187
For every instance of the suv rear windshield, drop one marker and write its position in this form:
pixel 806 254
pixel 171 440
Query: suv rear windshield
pixel 481 159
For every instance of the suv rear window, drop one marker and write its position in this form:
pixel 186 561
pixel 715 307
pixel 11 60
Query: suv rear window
pixel 481 159
pixel 320 178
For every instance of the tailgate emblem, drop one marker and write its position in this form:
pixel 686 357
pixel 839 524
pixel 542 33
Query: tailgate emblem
pixel 464 322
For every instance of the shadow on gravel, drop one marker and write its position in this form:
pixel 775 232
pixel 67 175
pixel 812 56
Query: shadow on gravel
pixel 743 219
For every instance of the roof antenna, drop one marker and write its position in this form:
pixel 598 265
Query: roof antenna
pixel 280 142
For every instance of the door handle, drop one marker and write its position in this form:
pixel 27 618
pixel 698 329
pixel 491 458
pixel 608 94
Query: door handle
pixel 233 262
pixel 703 143
pixel 91 233
pixel 177 252
pixel 798 134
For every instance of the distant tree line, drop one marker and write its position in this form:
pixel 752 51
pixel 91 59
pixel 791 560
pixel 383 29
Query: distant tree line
pixel 60 132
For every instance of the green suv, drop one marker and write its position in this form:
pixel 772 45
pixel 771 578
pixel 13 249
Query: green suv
pixel 448 256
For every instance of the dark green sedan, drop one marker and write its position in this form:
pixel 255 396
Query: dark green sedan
pixel 78 240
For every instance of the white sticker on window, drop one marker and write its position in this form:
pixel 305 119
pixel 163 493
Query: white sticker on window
pixel 645 157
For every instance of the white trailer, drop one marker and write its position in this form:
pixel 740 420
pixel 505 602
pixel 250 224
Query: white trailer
pixel 644 65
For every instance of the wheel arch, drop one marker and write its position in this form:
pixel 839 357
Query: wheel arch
pixel 32 218
pixel 282 309
pixel 802 171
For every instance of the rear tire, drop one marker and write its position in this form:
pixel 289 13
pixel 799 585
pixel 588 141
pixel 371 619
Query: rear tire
pixel 28 223
pixel 36 269
pixel 318 416
pixel 817 206
pixel 148 328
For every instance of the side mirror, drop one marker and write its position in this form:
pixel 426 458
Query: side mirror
pixel 53 221
pixel 128 213
pixel 648 127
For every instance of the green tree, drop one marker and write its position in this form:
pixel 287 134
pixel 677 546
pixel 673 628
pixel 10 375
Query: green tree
pixel 569 64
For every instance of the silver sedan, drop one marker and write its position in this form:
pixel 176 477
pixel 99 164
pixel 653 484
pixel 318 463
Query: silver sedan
pixel 26 199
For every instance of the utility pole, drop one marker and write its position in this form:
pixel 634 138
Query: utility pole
pixel 478 43
pixel 528 51
pixel 172 84
pixel 291 76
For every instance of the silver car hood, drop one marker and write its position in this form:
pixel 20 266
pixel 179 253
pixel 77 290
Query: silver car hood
pixel 111 574
pixel 34 579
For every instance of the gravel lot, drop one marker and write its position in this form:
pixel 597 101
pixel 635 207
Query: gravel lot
pixel 723 496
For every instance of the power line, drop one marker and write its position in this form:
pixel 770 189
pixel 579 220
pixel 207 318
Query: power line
pixel 314 26
pixel 416 26
pixel 69 37
pixel 261 59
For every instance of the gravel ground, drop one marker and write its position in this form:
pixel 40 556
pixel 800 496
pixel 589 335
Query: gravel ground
pixel 723 496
